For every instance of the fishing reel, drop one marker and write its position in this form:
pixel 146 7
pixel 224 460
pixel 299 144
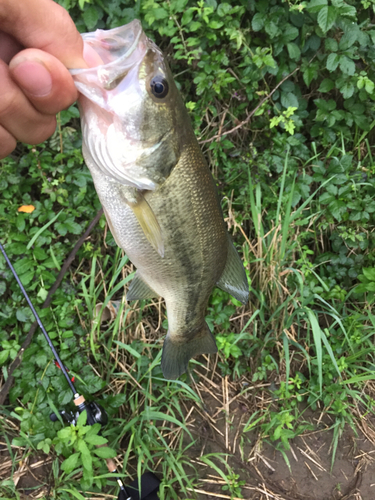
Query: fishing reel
pixel 95 414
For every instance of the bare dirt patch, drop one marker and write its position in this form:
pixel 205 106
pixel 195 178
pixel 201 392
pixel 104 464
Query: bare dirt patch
pixel 219 427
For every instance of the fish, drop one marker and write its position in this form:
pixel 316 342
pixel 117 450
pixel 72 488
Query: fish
pixel 156 189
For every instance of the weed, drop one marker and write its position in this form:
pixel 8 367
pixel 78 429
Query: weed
pixel 282 100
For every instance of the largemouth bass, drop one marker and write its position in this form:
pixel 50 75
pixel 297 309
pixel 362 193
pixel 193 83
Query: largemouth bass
pixel 157 192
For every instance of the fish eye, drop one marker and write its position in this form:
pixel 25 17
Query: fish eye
pixel 159 87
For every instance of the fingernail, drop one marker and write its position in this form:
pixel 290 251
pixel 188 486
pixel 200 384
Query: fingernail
pixel 33 77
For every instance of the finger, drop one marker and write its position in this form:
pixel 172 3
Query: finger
pixel 7 143
pixel 8 47
pixel 18 116
pixel 45 25
pixel 44 79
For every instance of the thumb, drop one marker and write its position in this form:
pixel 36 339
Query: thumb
pixel 44 80
pixel 44 25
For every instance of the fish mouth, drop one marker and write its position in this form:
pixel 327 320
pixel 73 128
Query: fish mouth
pixel 112 54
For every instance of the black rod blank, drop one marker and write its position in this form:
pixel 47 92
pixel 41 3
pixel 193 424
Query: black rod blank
pixel 57 357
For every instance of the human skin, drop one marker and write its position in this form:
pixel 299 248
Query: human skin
pixel 38 43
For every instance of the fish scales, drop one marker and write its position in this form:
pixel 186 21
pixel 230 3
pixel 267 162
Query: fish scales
pixel 158 194
pixel 185 275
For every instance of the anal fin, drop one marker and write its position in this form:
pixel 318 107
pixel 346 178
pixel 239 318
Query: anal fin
pixel 234 279
pixel 139 289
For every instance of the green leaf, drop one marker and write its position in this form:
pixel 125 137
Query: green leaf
pixel 72 226
pixel 70 463
pixel 95 439
pixel 90 17
pixel 348 39
pixel 42 294
pixel 160 13
pixel 3 356
pixel 347 65
pixel 82 419
pixel 39 253
pixel 105 452
pixel 310 74
pixel 362 121
pixel 257 22
pixel 326 85
pixel 314 42
pixel 41 359
pixel 289 33
pixel 315 6
pixel 326 18
pixel 195 25
pixel 271 29
pixel 294 51
pixel 187 16
pixel 347 10
pixel 268 60
pixel 86 455
pixel 347 90
pixel 23 314
pixel 332 62
pixel 326 198
pixel 331 45
pixel 65 434
pixel 289 100
pixel 215 25
pixel 17 249
pixel 61 228
pixel 65 396
pixel 332 189
pixel 369 273
pixel 3 287
pixel 337 208
pixel 95 429
pixel 223 9
pixel 369 86
pixel 23 265
pixel 20 223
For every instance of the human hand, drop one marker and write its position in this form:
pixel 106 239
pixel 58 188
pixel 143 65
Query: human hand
pixel 38 42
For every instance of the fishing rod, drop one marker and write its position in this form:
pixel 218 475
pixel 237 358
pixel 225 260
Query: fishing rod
pixel 95 415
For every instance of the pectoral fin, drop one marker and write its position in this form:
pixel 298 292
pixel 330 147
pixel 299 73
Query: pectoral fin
pixel 234 279
pixel 139 289
pixel 148 222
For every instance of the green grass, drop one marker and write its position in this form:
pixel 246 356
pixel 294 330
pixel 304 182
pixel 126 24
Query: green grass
pixel 301 211
pixel 319 348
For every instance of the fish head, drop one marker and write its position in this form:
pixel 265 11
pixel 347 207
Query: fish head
pixel 131 110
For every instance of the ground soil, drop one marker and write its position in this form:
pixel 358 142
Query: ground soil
pixel 217 426
pixel 267 476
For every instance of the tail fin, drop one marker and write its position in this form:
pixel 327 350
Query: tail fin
pixel 176 355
